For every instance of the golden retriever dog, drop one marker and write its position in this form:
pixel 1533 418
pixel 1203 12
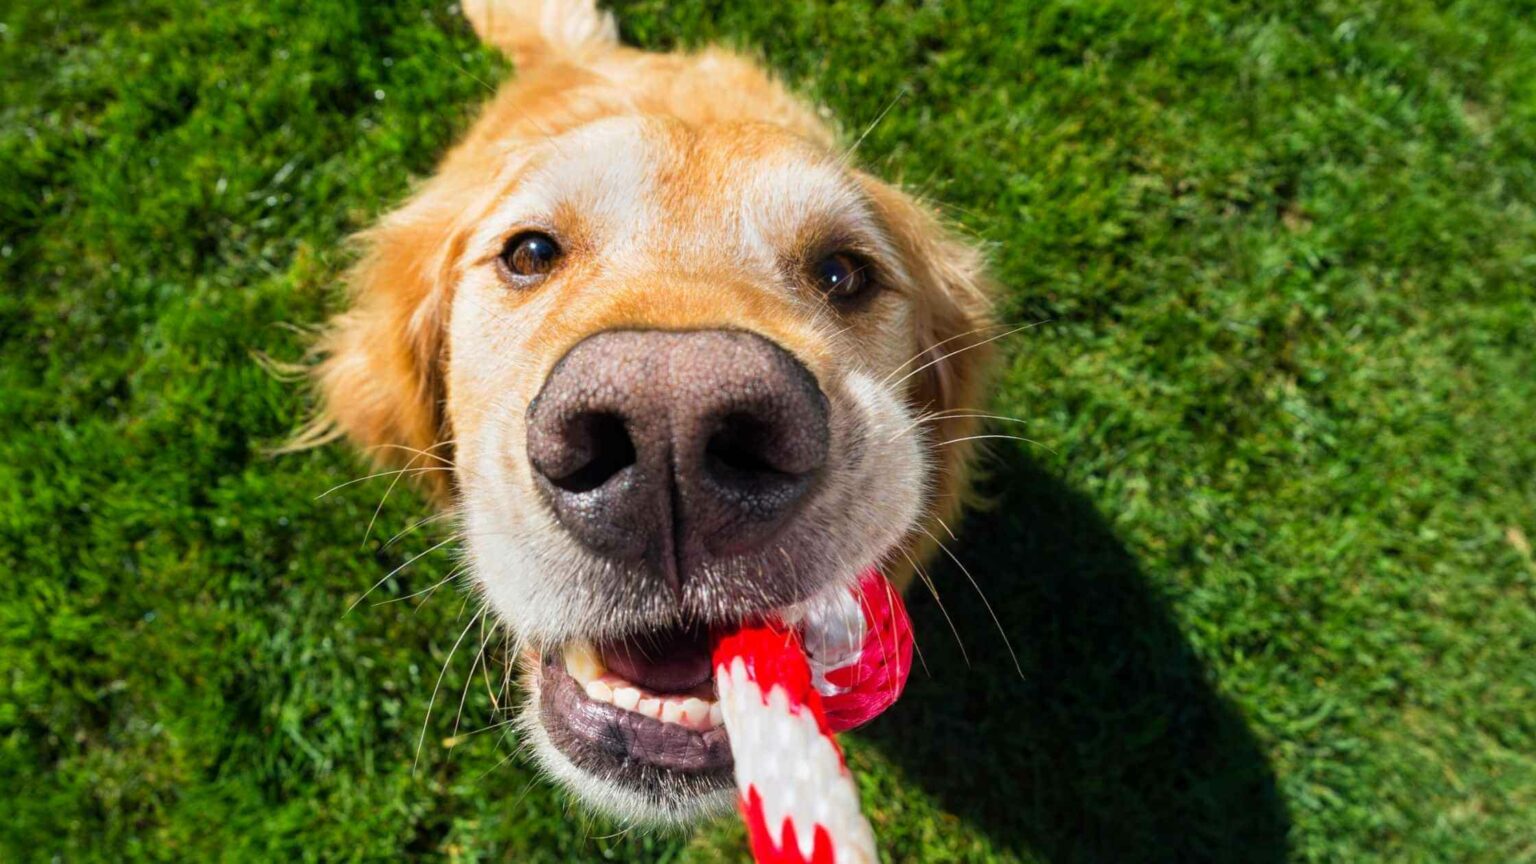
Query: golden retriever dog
pixel 681 364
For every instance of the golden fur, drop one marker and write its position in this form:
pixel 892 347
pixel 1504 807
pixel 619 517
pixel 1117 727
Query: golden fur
pixel 688 191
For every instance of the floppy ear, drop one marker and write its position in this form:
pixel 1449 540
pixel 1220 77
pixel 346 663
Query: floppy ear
pixel 952 316
pixel 381 380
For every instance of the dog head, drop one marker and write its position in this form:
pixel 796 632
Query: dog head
pixel 678 368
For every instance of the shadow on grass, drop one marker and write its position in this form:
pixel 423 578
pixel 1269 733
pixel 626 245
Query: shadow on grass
pixel 1113 746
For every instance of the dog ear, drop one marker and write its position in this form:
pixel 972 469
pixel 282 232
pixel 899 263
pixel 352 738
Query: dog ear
pixel 952 316
pixel 381 376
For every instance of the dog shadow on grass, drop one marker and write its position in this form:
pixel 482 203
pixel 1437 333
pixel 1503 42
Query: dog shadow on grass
pixel 1113 745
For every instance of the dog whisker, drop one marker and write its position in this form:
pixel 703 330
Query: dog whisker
pixel 517 750
pixel 939 344
pixel 925 189
pixel 485 639
pixel 429 590
pixel 421 738
pixel 962 413
pixel 626 831
pixel 1045 447
pixel 408 562
pixel 490 727
pixel 940 416
pixel 984 601
pixel 847 156
pixel 947 529
pixel 527 787
pixel 933 589
pixel 375 476
pixel 890 597
pixel 969 347
pixel 420 452
pixel 485 675
pixel 385 498
pixel 449 513
pixel 510 665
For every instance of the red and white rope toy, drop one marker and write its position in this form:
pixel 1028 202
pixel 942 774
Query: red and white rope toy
pixel 784 691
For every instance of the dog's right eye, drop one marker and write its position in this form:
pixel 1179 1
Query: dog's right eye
pixel 530 253
pixel 842 277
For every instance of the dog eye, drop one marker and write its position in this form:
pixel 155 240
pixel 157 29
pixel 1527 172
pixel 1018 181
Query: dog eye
pixel 530 253
pixel 842 276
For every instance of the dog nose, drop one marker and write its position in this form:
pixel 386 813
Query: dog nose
pixel 675 447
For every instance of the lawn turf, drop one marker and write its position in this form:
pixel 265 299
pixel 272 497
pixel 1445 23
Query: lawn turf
pixel 1267 573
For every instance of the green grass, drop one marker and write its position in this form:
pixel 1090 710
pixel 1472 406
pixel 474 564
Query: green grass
pixel 1269 588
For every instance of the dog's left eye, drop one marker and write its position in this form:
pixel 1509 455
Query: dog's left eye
pixel 530 253
pixel 842 276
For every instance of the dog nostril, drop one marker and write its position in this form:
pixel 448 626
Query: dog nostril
pixel 740 448
pixel 604 440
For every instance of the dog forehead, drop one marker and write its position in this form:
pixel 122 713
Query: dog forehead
pixel 605 170
pixel 759 182
pixel 648 183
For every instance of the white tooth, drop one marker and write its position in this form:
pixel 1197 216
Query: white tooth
pixel 650 708
pixel 672 711
pixel 599 691
pixel 582 662
pixel 626 697
pixel 695 713
pixel 716 716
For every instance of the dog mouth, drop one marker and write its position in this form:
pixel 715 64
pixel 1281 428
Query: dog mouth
pixel 638 710
pixel 623 710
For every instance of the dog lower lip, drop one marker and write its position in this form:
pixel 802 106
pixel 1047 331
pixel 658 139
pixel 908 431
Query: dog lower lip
pixel 601 736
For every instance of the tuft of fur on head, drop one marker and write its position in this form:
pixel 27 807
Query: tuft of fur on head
pixel 534 32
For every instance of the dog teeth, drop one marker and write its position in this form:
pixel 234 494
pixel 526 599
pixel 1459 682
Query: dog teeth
pixel 650 708
pixel 583 663
pixel 599 691
pixel 672 712
pixel 695 714
pixel 716 716
pixel 626 698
